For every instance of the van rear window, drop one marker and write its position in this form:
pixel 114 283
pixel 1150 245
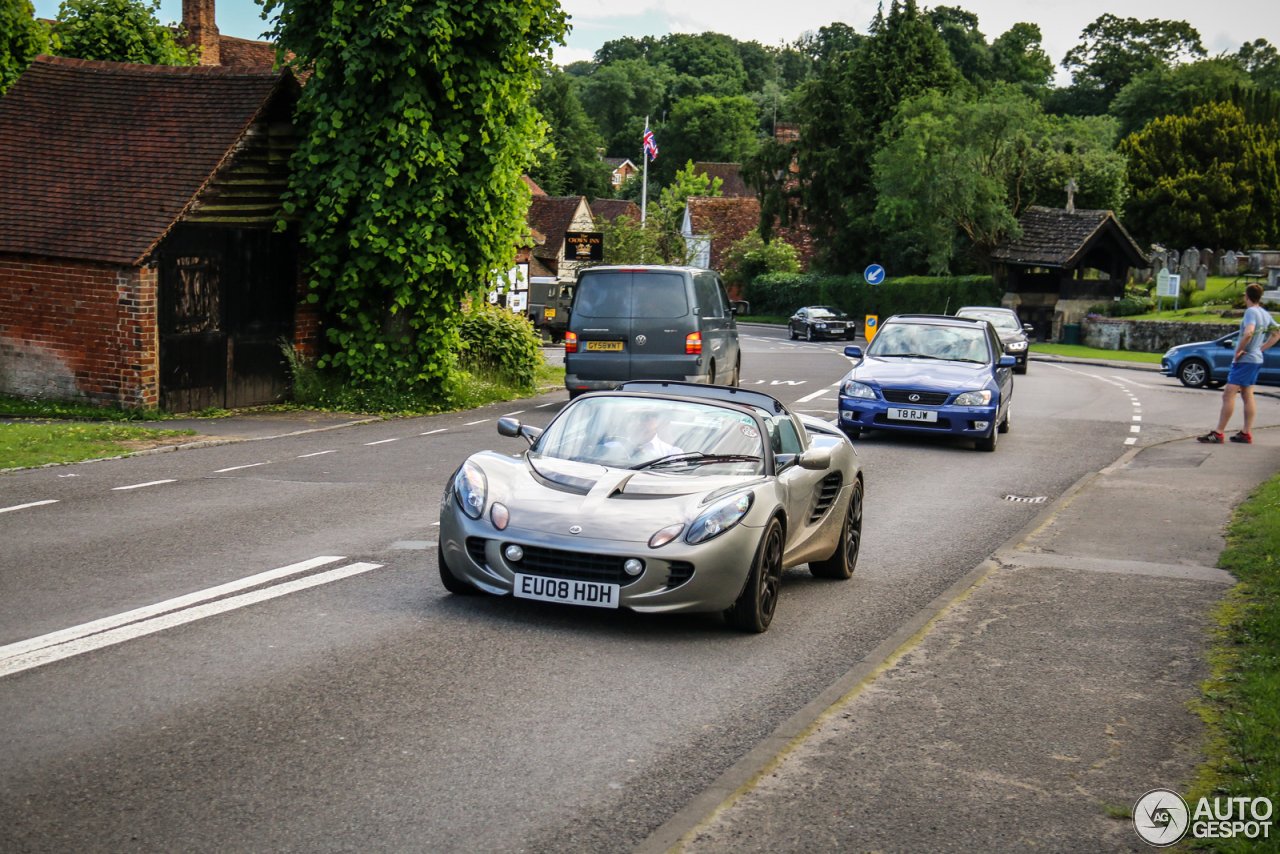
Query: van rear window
pixel 647 295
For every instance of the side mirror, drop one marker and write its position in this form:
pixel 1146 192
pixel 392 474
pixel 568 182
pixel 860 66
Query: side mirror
pixel 1228 344
pixel 1008 361
pixel 782 462
pixel 853 352
pixel 509 427
pixel 816 459
pixel 1027 327
pixel 530 433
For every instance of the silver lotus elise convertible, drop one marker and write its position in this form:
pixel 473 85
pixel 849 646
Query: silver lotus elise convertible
pixel 658 496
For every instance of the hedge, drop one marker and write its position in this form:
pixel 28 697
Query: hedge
pixel 783 293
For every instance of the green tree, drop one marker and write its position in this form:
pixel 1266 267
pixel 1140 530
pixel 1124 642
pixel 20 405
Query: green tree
pixel 22 39
pixel 705 64
pixel 118 31
pixel 1081 150
pixel 417 125
pixel 954 173
pixel 1162 91
pixel 622 93
pixel 843 114
pixel 1018 58
pixel 719 130
pixel 970 53
pixel 1207 179
pixel 1262 62
pixel 572 166
pixel 666 215
pixel 829 42
pixel 751 257
pixel 1115 50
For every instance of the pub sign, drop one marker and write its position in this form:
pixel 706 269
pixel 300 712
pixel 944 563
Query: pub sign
pixel 583 246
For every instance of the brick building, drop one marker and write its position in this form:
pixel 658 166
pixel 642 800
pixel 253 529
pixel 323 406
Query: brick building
pixel 139 261
pixel 712 225
pixel 198 19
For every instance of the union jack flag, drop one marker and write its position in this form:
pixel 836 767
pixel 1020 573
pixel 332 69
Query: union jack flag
pixel 650 144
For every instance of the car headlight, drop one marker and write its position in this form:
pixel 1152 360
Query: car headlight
pixel 722 516
pixel 821 325
pixel 852 388
pixel 974 398
pixel 1017 345
pixel 469 487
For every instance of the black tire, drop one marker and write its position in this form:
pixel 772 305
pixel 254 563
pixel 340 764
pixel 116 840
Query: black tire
pixel 988 443
pixel 1004 425
pixel 850 335
pixel 1194 373
pixel 737 373
pixel 753 611
pixel 451 582
pixel 711 373
pixel 1020 370
pixel 845 558
pixel 791 332
pixel 808 333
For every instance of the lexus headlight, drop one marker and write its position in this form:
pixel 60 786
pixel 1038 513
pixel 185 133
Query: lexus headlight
pixel 469 487
pixel 857 389
pixel 1017 345
pixel 974 398
pixel 722 516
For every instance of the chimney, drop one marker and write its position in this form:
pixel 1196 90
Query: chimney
pixel 202 30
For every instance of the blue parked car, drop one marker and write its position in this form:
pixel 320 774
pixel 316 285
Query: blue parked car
pixel 927 373
pixel 1207 363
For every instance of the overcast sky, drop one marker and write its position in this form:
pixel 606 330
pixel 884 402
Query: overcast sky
pixel 1224 25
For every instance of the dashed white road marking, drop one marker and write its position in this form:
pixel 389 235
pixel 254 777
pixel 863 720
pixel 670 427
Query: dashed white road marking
pixel 237 468
pixel 441 430
pixel 383 441
pixel 316 454
pixel 1135 429
pixel 141 485
pixel 1137 418
pixel 111 637
pixel 517 412
pixel 1130 441
pixel 148 611
pixel 28 504
pixel 470 423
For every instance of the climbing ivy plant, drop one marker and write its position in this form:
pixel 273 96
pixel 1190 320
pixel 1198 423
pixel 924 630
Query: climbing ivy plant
pixel 417 124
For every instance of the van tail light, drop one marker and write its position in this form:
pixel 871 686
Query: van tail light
pixel 571 342
pixel 693 342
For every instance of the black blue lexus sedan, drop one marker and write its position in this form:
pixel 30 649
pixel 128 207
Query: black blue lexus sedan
pixel 927 373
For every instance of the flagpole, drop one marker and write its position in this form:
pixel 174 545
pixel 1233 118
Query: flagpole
pixel 644 184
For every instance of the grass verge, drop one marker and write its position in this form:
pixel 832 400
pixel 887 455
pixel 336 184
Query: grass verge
pixel 763 318
pixel 1241 702
pixel 1082 352
pixel 63 410
pixel 24 445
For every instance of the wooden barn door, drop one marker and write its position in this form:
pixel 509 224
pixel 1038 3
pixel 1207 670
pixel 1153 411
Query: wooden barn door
pixel 226 301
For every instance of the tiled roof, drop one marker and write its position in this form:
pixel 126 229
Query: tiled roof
pixel 1055 237
pixel 615 162
pixel 234 51
pixel 607 210
pixel 732 186
pixel 537 267
pixel 552 215
pixel 730 220
pixel 533 188
pixel 99 159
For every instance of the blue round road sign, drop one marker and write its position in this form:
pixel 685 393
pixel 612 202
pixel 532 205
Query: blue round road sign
pixel 874 274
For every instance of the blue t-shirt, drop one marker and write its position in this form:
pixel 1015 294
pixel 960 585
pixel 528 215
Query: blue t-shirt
pixel 1262 323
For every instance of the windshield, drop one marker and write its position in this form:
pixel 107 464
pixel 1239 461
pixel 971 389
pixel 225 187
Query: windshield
pixel 629 294
pixel 826 311
pixel 998 319
pixel 629 432
pixel 953 343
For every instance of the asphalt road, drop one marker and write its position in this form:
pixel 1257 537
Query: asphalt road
pixel 374 712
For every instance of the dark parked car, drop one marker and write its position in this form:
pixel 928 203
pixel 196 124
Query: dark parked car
pixel 1207 363
pixel 930 374
pixel 821 321
pixel 1010 328
pixel 650 323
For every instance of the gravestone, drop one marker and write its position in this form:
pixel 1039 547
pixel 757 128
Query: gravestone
pixel 1230 264
pixel 1172 266
pixel 1210 261
pixel 1255 262
pixel 1159 258
pixel 1191 260
pixel 1202 277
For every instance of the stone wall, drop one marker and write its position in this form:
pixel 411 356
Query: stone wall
pixel 1148 336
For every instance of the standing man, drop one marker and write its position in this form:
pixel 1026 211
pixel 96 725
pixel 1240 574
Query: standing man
pixel 1245 365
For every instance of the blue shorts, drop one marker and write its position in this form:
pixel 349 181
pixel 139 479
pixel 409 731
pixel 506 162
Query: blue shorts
pixel 1244 374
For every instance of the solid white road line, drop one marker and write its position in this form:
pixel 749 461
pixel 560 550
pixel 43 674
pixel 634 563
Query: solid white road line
pixel 382 441
pixel 316 454
pixel 148 611
pixel 29 504
pixel 430 432
pixel 237 468
pixel 481 421
pixel 158 624
pixel 140 485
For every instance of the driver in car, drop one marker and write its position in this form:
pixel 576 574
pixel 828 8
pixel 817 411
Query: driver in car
pixel 643 431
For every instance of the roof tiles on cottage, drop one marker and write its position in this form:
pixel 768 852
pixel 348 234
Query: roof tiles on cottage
pixel 730 220
pixel 1056 237
pixel 730 174
pixel 607 210
pixel 98 160
pixel 552 216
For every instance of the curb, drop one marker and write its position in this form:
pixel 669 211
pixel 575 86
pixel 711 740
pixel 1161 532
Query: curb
pixel 1102 363
pixel 192 446
pixel 743 775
